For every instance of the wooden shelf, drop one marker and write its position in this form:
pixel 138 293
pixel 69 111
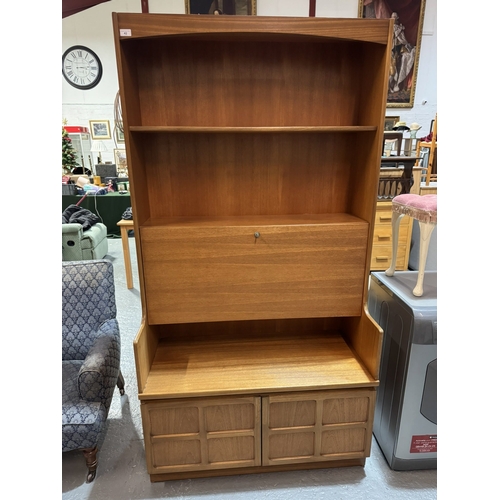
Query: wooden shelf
pixel 256 220
pixel 215 366
pixel 252 130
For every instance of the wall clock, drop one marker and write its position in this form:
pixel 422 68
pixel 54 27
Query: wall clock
pixel 81 67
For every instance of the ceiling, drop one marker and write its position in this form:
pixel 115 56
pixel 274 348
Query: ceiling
pixel 70 7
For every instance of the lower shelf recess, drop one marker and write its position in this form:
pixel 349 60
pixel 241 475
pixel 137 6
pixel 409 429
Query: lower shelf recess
pixel 222 365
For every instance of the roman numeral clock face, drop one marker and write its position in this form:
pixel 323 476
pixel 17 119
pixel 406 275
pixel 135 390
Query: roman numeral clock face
pixel 81 67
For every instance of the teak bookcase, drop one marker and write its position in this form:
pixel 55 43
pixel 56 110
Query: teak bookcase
pixel 253 147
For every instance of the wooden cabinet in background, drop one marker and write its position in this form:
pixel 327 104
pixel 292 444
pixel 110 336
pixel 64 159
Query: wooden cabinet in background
pixel 382 234
pixel 382 239
pixel 253 149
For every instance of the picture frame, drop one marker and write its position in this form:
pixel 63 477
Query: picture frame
pixel 119 136
pixel 100 129
pixel 390 122
pixel 224 7
pixel 120 156
pixel 409 20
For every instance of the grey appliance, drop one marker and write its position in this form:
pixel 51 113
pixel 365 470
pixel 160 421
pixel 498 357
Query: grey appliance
pixel 405 423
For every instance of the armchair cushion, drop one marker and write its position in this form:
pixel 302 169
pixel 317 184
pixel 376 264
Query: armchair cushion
pixel 87 389
pixel 82 421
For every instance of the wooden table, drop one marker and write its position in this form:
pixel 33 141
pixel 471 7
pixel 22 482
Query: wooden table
pixel 125 227
pixel 394 161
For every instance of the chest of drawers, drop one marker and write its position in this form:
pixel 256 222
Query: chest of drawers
pixel 382 239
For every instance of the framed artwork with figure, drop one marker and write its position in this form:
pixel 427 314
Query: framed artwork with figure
pixel 121 162
pixel 408 21
pixel 390 122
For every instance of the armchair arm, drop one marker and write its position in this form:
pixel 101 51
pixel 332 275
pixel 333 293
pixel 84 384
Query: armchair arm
pixel 72 235
pixel 99 373
pixel 72 228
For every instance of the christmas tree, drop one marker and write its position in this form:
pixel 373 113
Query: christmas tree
pixel 68 153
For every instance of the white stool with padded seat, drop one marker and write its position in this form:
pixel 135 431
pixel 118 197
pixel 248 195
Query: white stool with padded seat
pixel 424 209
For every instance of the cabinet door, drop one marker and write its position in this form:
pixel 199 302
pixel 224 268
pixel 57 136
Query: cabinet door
pixel 202 434
pixel 310 427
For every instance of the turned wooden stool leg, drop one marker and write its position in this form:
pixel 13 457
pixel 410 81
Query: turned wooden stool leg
pixel 121 383
pixel 396 219
pixel 425 237
pixel 90 455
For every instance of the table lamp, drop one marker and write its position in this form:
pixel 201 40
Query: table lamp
pixel 98 147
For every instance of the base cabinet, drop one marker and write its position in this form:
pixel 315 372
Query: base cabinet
pixel 222 433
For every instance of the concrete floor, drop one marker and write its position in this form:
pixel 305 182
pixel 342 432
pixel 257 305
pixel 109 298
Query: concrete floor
pixel 122 474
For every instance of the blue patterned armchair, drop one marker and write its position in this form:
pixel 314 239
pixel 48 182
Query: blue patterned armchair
pixel 90 355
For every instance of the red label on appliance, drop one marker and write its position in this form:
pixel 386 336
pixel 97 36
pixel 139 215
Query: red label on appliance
pixel 424 444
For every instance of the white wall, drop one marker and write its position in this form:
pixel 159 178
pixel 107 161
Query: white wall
pixel 93 28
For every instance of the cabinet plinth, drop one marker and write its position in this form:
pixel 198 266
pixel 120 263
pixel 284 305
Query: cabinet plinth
pixel 253 149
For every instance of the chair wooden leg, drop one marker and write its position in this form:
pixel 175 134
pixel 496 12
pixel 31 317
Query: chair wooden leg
pixel 425 237
pixel 121 383
pixel 396 220
pixel 90 455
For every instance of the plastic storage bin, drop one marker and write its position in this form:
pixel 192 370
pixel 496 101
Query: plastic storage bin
pixel 405 423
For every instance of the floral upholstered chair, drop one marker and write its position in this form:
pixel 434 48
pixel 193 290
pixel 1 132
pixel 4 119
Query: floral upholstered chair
pixel 90 355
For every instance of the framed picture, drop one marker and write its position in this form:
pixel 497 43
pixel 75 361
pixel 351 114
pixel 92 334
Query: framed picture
pixel 222 7
pixel 409 19
pixel 390 122
pixel 119 136
pixel 99 129
pixel 121 162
